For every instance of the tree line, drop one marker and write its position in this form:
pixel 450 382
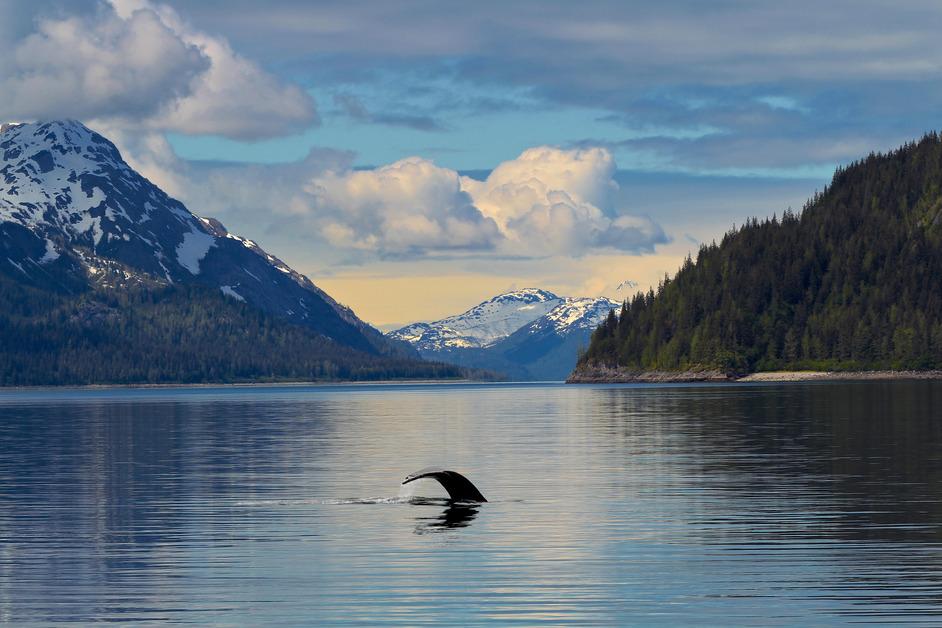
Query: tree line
pixel 176 334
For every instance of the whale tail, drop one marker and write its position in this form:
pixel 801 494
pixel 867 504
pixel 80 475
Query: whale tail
pixel 459 488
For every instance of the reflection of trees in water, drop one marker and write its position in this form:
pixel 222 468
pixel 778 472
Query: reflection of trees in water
pixel 866 456
pixel 848 475
pixel 125 482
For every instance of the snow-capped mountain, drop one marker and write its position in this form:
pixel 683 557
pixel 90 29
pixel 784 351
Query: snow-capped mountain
pixel 526 334
pixel 482 325
pixel 573 314
pixel 73 213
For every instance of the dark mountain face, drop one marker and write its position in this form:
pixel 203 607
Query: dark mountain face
pixel 74 214
pixel 853 283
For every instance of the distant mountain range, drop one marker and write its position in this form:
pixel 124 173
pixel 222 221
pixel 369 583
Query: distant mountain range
pixel 83 236
pixel 526 334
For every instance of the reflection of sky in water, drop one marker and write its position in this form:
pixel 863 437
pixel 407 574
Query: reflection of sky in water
pixel 805 503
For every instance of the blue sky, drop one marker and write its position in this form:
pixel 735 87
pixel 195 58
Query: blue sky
pixel 454 133
pixel 336 133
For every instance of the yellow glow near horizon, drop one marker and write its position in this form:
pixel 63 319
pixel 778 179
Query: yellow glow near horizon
pixel 394 294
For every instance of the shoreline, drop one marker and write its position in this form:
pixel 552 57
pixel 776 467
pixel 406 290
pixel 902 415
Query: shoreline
pixel 198 385
pixel 607 375
pixel 832 376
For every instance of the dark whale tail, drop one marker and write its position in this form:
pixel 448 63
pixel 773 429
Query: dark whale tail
pixel 459 488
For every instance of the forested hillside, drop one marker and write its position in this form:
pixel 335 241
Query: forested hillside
pixel 853 282
pixel 171 334
pixel 104 278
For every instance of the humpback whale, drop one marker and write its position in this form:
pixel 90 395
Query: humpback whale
pixel 459 488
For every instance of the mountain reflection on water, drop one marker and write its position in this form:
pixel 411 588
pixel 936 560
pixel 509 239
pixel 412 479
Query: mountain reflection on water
pixel 801 503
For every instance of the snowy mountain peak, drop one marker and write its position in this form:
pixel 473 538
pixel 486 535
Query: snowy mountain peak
pixel 526 334
pixel 501 316
pixel 68 199
pixel 483 324
pixel 70 185
pixel 67 141
pixel 576 313
pixel 628 284
pixel 524 295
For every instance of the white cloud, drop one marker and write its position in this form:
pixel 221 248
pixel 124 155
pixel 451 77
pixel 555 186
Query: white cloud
pixel 104 66
pixel 548 201
pixel 514 186
pixel 137 64
pixel 235 97
pixel 406 208
pixel 555 201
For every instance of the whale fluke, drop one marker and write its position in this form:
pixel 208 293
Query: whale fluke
pixel 459 488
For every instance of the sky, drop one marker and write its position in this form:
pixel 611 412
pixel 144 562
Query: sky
pixel 417 157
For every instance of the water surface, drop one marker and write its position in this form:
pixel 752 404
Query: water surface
pixel 784 504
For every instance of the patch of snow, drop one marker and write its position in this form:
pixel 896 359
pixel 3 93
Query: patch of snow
pixel 160 260
pixel 244 241
pixel 229 291
pixel 20 268
pixel 193 249
pixel 51 253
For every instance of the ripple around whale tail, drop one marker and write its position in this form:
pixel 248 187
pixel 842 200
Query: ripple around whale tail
pixel 345 501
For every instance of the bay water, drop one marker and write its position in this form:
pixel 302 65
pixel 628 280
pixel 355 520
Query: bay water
pixel 779 504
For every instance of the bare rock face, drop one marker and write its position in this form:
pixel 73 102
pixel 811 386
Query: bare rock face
pixel 601 374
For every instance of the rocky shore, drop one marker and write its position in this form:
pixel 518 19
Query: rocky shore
pixel 612 375
pixel 806 376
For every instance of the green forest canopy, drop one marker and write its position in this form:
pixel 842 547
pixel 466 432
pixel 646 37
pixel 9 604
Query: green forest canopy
pixel 174 334
pixel 852 283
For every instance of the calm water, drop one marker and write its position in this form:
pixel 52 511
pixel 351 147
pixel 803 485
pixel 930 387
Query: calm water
pixel 775 504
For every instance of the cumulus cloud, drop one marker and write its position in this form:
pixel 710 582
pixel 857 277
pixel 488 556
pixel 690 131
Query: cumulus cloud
pixel 84 67
pixel 234 97
pixel 405 208
pixel 138 63
pixel 548 201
